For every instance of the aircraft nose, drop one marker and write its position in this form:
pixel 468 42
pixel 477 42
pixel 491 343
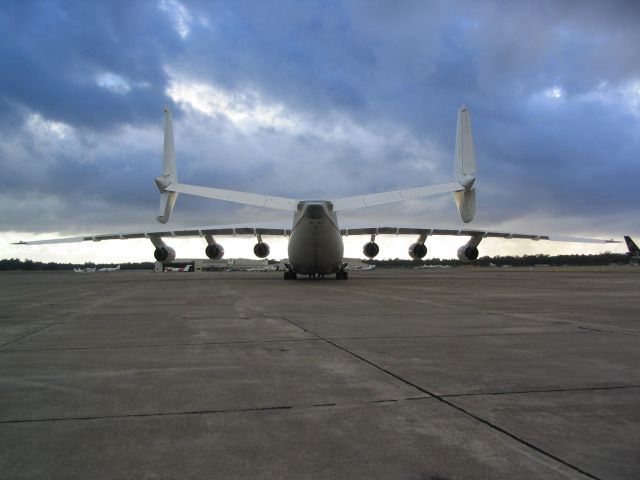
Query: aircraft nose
pixel 315 211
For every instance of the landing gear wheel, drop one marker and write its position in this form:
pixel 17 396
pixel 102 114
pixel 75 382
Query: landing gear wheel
pixel 289 275
pixel 342 275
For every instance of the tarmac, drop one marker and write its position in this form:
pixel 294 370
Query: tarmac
pixel 464 373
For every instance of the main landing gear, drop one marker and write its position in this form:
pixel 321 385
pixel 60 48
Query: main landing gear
pixel 342 275
pixel 289 275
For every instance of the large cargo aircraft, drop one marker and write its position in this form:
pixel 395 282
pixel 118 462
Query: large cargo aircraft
pixel 315 238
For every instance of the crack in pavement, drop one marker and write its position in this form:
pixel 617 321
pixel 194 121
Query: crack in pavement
pixel 549 390
pixel 25 336
pixel 207 411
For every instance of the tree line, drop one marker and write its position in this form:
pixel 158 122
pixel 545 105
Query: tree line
pixel 601 259
pixel 17 264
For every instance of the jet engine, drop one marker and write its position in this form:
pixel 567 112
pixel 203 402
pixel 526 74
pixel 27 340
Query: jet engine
pixel 261 250
pixel 418 251
pixel 214 251
pixel 164 254
pixel 370 249
pixel 466 253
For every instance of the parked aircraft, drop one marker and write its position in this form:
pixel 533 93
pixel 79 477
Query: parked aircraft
pixel 186 268
pixel 85 270
pixel 315 238
pixel 109 269
pixel 359 266
pixel 633 250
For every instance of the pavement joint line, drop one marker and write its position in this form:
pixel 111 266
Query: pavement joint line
pixel 550 390
pixel 206 412
pixel 144 415
pixel 497 334
pixel 573 323
pixel 257 342
pixel 460 409
pixel 26 335
pixel 153 345
pixel 616 332
pixel 436 314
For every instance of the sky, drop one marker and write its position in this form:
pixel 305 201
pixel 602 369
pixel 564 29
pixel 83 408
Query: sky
pixel 317 99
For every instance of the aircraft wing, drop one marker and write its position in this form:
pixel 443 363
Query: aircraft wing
pixel 465 232
pixel 191 232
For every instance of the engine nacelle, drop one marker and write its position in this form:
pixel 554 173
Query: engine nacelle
pixel 214 251
pixel 164 254
pixel 261 250
pixel 418 251
pixel 466 253
pixel 370 249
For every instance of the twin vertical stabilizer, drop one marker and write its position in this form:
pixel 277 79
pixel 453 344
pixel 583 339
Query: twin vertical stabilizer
pixel 169 175
pixel 464 176
pixel 464 169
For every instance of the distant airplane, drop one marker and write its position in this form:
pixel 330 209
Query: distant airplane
pixel 85 270
pixel 109 269
pixel 360 267
pixel 357 265
pixel 633 250
pixel 186 268
pixel 315 239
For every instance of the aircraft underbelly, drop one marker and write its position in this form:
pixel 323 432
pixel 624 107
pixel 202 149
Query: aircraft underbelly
pixel 315 247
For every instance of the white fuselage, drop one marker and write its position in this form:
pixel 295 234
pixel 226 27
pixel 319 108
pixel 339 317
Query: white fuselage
pixel 315 245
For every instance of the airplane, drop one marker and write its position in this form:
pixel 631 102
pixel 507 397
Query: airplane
pixel 315 239
pixel 109 269
pixel 186 268
pixel 361 268
pixel 633 250
pixel 85 270
pixel 432 266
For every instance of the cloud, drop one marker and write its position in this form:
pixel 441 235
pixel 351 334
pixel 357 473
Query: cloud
pixel 326 99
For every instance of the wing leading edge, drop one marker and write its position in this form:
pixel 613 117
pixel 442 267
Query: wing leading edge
pixel 254 231
pixel 192 232
pixel 467 232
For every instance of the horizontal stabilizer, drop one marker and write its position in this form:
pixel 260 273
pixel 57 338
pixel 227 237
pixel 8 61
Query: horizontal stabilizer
pixel 392 196
pixel 278 203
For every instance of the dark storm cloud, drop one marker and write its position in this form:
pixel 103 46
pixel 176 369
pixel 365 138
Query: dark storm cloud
pixel 396 70
pixel 54 52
